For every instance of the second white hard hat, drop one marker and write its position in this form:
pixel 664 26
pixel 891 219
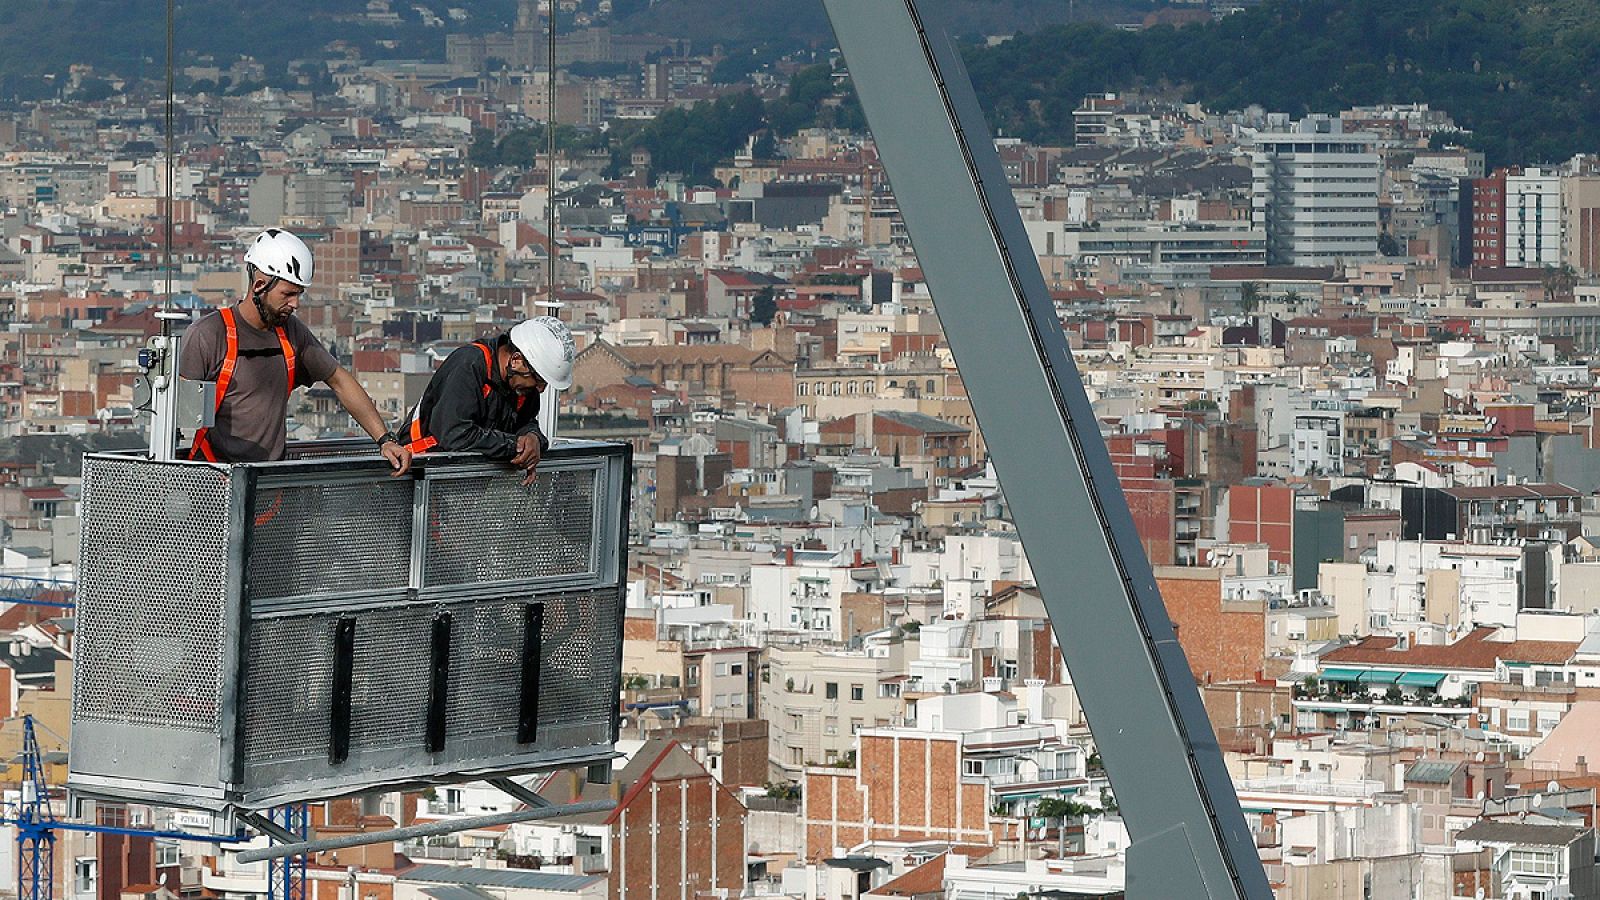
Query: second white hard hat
pixel 548 346
pixel 280 254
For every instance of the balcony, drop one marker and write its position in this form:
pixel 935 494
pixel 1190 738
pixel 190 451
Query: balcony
pixel 1289 784
pixel 263 633
pixel 1040 776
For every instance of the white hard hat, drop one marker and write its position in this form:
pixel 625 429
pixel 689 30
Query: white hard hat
pixel 280 254
pixel 547 344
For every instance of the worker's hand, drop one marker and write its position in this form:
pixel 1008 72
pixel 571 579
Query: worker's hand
pixel 399 457
pixel 527 457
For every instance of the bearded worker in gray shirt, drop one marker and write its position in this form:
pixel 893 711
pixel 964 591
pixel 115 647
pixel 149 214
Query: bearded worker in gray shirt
pixel 258 353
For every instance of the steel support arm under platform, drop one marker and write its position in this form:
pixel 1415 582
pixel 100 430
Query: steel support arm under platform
pixel 1190 839
pixel 431 829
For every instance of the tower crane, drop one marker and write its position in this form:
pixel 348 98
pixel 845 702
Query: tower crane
pixel 37 826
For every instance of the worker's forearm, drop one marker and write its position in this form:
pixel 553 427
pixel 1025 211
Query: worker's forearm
pixel 358 404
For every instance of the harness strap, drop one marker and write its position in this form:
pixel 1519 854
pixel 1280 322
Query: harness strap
pixel 421 441
pixel 202 439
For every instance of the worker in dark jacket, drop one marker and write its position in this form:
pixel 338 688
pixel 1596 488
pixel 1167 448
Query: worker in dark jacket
pixel 485 397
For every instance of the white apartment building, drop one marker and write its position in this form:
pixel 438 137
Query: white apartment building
pixel 1448 583
pixel 1315 193
pixel 804 593
pixel 815 701
pixel 1533 219
pixel 1317 445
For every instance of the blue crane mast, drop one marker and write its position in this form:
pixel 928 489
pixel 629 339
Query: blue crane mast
pixel 37 825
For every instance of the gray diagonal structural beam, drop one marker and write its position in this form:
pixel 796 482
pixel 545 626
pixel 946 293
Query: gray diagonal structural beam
pixel 1189 837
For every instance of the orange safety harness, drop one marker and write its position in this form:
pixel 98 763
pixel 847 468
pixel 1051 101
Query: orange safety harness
pixel 202 439
pixel 421 442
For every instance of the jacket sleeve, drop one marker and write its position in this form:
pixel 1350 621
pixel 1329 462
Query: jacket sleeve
pixel 454 418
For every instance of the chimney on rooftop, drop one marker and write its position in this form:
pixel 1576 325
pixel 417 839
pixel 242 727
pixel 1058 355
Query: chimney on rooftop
pixel 788 555
pixel 1582 766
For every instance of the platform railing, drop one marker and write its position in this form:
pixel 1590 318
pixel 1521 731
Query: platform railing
pixel 255 634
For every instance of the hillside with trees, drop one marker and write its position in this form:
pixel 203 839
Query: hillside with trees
pixel 1523 78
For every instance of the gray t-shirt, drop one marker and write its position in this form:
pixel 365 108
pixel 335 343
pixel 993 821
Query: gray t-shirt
pixel 250 425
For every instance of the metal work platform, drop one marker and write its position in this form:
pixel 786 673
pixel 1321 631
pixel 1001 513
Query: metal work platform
pixel 257 634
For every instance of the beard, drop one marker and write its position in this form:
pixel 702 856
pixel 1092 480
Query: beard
pixel 272 318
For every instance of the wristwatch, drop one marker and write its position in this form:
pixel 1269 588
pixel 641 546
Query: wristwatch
pixel 386 437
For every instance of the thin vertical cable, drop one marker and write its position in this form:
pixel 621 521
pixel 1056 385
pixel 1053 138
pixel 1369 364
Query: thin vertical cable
pixel 550 158
pixel 166 250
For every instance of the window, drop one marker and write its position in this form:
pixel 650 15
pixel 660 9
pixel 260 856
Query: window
pixel 972 767
pixel 721 669
pixel 691 675
pixel 889 690
pixel 1533 862
pixel 830 725
pixel 167 854
pixel 857 692
pixel 1516 720
pixel 83 875
pixel 1547 720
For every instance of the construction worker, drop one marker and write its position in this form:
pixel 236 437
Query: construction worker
pixel 485 396
pixel 257 353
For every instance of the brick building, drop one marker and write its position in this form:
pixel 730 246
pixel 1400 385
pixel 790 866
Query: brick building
pixel 932 448
pixel 724 371
pixel 675 832
pixel 925 784
pixel 1224 640
pixel 1262 512
pixel 907 784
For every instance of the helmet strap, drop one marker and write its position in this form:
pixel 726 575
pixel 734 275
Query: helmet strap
pixel 261 307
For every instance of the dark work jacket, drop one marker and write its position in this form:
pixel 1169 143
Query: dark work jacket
pixel 461 415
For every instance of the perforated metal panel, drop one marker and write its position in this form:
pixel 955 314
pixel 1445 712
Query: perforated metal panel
pixel 287 691
pixel 492 529
pixel 152 594
pixel 389 696
pixel 287 710
pixel 209 625
pixel 582 650
pixel 330 538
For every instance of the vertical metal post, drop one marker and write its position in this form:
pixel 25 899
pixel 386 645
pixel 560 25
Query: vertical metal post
pixel 163 375
pixel 1190 839
pixel 286 876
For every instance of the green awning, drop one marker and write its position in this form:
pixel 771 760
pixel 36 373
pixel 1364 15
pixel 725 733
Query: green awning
pixel 1379 677
pixel 1340 675
pixel 1428 680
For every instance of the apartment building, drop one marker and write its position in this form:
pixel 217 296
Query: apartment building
pixel 1314 191
pixel 818 700
pixel 962 773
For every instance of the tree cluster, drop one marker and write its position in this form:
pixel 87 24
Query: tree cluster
pixel 1521 77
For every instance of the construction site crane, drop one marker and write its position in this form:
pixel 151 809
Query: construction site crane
pixel 37 824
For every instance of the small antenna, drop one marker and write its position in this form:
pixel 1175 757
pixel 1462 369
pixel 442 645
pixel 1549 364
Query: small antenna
pixel 166 249
pixel 554 256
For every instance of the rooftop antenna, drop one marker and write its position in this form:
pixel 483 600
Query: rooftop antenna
pixel 550 153
pixel 160 356
pixel 550 306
